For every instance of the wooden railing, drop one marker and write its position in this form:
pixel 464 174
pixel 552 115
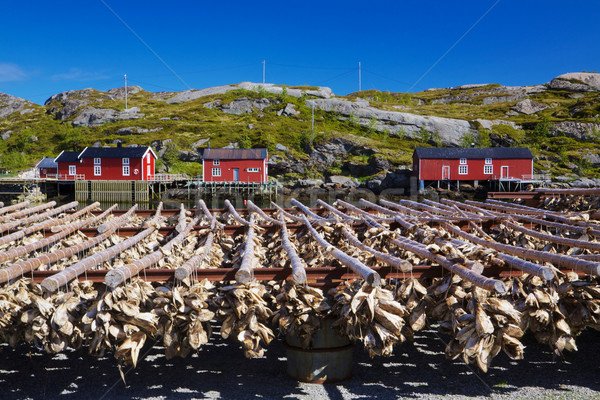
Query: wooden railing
pixel 167 177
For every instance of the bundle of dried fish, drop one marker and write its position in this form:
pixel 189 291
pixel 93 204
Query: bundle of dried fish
pixel 371 315
pixel 245 313
pixel 14 299
pixel 483 327
pixel 543 316
pixel 580 302
pixel 300 310
pixel 414 296
pixel 121 320
pixel 183 317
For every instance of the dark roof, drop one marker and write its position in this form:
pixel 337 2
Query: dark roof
pixel 67 156
pixel 473 152
pixel 115 152
pixel 234 154
pixel 47 162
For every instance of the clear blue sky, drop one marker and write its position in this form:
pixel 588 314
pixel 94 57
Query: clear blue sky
pixel 50 47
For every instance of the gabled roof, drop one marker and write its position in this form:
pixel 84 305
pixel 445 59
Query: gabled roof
pixel 116 152
pixel 473 152
pixel 234 154
pixel 47 162
pixel 67 156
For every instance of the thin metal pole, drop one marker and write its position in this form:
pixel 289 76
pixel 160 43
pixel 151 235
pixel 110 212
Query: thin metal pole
pixel 264 62
pixel 126 91
pixel 359 78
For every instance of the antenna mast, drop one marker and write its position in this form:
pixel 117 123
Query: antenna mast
pixel 126 91
pixel 263 63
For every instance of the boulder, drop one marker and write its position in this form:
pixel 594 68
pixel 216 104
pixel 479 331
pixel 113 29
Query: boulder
pixel 190 156
pixel 583 183
pixel 280 147
pixel 303 183
pixel 288 111
pixel 339 180
pixel 576 82
pixel 127 131
pixel 398 179
pixel 321 160
pixel 6 135
pixel 528 107
pixel 199 143
pixel 379 164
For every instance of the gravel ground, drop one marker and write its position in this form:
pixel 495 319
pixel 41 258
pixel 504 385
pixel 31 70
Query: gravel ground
pixel 220 371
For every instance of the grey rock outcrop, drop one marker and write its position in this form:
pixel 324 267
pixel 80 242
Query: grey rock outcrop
pixel 193 94
pixel 288 111
pixel 528 107
pixel 189 95
pixel 397 123
pixel 576 129
pixel 119 93
pixel 592 158
pixel 91 116
pixel 576 82
pixel 6 135
pixel 12 104
pixel 239 106
pixel 199 143
pixel 190 156
pixel 280 147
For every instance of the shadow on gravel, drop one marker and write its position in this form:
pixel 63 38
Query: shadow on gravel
pixel 220 371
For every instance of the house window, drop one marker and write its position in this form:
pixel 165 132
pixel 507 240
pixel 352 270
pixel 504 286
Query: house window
pixel 72 169
pixel 216 172
pixel 126 170
pixel 488 160
pixel 96 161
pixel 463 169
pixel 488 169
pixel 97 170
pixel 126 162
pixel 463 161
pixel 253 169
pixel 216 162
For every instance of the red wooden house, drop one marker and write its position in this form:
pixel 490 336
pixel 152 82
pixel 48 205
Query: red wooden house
pixel 108 163
pixel 67 165
pixel 472 163
pixel 47 168
pixel 234 165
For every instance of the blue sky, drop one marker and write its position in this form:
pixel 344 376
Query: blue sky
pixel 50 47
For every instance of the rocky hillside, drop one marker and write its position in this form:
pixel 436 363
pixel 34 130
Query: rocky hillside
pixel 365 136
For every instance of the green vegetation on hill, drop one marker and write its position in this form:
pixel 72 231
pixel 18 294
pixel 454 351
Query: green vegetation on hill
pixel 35 134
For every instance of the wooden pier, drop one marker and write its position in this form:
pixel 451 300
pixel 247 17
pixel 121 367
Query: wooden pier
pixel 208 189
pixel 112 191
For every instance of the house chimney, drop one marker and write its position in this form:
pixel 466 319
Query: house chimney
pixel 208 145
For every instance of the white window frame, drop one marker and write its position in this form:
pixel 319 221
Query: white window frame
pixel 125 161
pixel 97 170
pixel 488 161
pixel 216 162
pixel 216 172
pixel 72 169
pixel 253 169
pixel 488 169
pixel 97 161
pixel 463 169
pixel 463 161
pixel 126 170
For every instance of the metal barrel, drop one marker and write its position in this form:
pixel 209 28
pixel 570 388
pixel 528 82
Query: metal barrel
pixel 328 360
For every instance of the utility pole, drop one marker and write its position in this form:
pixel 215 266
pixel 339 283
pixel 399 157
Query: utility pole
pixel 359 78
pixel 264 62
pixel 126 91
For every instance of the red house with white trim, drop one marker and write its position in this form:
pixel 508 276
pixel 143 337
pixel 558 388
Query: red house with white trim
pixel 472 163
pixel 67 164
pixel 108 163
pixel 235 165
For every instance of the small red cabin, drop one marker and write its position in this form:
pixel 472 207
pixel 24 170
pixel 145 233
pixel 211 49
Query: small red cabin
pixel 472 163
pixel 47 168
pixel 67 165
pixel 234 165
pixel 108 163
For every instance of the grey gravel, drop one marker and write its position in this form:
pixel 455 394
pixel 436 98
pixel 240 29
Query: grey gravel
pixel 220 371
